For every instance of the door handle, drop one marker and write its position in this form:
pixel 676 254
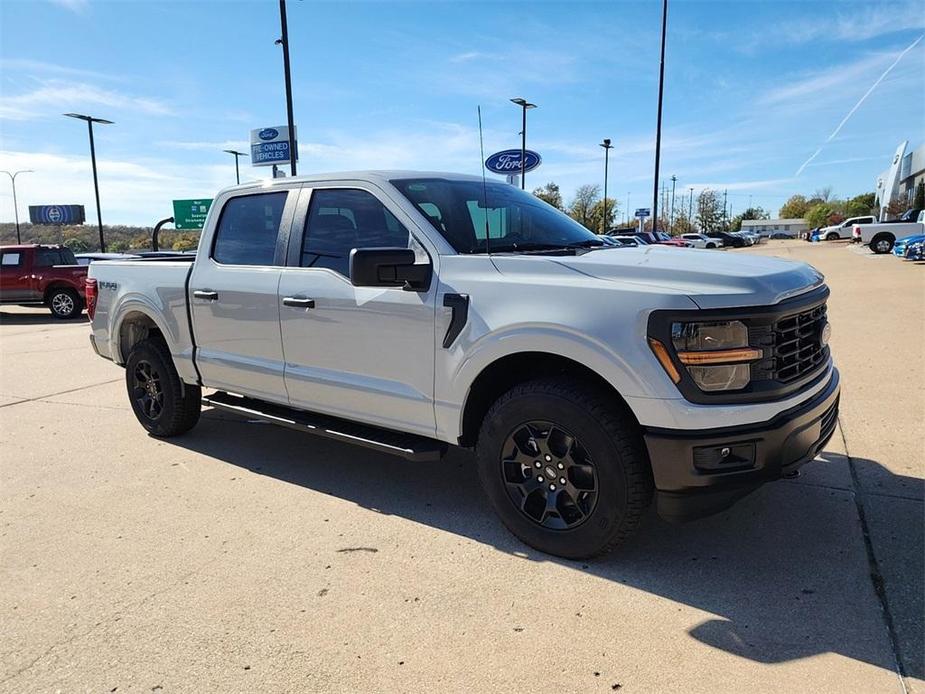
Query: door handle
pixel 299 302
pixel 205 294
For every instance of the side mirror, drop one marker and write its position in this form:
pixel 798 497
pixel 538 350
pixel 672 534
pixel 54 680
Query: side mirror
pixel 388 267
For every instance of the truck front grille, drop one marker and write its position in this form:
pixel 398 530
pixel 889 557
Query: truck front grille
pixel 797 344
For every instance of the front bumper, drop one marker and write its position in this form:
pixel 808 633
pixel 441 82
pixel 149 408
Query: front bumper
pixel 693 479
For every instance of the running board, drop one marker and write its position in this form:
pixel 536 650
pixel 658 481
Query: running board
pixel 409 446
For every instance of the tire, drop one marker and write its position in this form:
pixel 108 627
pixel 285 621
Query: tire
pixel 606 455
pixel 882 243
pixel 64 303
pixel 163 404
pixel 832 236
pixel 711 245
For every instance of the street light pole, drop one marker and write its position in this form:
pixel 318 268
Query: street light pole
pixel 690 211
pixel 237 171
pixel 658 126
pixel 96 186
pixel 674 180
pixel 15 205
pixel 524 105
pixel 284 42
pixel 607 147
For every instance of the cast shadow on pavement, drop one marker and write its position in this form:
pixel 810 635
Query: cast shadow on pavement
pixel 41 316
pixel 786 570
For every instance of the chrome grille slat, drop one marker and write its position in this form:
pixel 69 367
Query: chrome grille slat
pixel 797 349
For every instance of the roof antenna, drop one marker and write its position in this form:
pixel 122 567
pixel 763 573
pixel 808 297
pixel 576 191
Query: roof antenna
pixel 484 185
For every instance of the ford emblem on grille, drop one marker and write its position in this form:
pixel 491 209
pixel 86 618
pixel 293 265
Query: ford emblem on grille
pixel 825 333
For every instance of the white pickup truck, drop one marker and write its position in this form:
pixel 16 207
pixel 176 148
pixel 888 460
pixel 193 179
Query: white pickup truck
pixel 409 312
pixel 844 229
pixel 881 238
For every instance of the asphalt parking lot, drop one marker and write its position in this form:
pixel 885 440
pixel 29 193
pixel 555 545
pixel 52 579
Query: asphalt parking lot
pixel 244 557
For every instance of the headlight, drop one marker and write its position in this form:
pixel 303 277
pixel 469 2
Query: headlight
pixel 716 354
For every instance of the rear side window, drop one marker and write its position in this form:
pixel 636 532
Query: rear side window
pixel 340 220
pixel 248 228
pixel 46 257
pixel 11 259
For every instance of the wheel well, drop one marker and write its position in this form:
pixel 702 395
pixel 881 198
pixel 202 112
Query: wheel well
pixel 58 285
pixel 505 373
pixel 882 235
pixel 135 327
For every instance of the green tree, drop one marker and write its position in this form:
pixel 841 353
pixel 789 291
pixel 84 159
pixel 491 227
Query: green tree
pixel 860 205
pixel 77 244
pixel 682 223
pixel 581 209
pixel 735 224
pixel 550 194
pixel 818 215
pixel 709 210
pixel 795 208
pixel 918 201
pixel 598 224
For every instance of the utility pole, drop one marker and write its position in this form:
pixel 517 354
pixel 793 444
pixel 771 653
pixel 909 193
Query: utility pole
pixel 607 147
pixel 674 180
pixel 690 211
pixel 524 105
pixel 15 205
pixel 284 42
pixel 725 223
pixel 627 208
pixel 658 126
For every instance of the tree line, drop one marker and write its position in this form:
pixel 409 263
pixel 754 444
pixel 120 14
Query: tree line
pixel 83 238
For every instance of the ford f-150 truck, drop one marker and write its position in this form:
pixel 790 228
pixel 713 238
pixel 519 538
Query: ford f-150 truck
pixel 49 276
pixel 410 312
pixel 881 237
pixel 844 229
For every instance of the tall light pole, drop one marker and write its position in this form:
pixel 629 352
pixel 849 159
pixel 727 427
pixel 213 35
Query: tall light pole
pixel 674 180
pixel 524 105
pixel 237 171
pixel 283 41
pixel 96 186
pixel 690 211
pixel 607 147
pixel 15 206
pixel 627 207
pixel 658 126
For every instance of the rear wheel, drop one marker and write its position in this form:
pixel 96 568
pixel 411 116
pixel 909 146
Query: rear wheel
pixel 882 243
pixel 64 303
pixel 711 245
pixel 162 403
pixel 564 469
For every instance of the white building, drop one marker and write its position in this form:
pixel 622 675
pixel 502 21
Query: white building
pixel 898 182
pixel 769 226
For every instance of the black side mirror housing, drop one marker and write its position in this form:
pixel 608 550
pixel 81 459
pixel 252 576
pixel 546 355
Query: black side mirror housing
pixel 388 267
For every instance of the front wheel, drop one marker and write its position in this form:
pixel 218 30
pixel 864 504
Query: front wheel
pixel 162 403
pixel 832 236
pixel 564 468
pixel 711 245
pixel 64 303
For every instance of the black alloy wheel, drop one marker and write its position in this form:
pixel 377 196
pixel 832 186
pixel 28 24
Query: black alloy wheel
pixel 147 390
pixel 549 475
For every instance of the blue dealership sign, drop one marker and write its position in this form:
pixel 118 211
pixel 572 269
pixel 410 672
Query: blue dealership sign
pixel 56 214
pixel 507 162
pixel 272 146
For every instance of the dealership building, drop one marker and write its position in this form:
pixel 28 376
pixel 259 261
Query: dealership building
pixel 898 182
pixel 769 226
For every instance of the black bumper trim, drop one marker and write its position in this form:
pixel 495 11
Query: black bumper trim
pixel 782 445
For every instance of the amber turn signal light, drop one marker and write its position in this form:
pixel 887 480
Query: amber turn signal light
pixel 662 355
pixel 719 356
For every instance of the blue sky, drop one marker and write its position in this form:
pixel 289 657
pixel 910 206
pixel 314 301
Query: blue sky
pixel 753 89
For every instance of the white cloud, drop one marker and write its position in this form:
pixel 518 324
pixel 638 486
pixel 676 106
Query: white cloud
pixel 54 96
pixel 859 23
pixel 240 145
pixel 33 67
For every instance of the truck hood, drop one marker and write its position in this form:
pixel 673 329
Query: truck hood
pixel 712 279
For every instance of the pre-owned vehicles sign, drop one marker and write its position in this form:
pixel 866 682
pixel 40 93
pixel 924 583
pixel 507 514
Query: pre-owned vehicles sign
pixel 273 146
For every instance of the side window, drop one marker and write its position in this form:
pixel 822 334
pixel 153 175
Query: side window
pixel 342 219
pixel 247 229
pixel 46 257
pixel 11 259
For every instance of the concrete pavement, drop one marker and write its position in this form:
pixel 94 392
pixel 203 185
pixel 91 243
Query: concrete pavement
pixel 244 557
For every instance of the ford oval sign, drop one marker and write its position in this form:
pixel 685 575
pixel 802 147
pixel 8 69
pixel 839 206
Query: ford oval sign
pixel 508 162
pixel 268 134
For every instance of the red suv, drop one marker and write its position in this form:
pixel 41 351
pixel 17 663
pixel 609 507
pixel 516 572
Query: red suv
pixel 41 275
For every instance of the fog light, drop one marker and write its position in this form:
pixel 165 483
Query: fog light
pixel 736 456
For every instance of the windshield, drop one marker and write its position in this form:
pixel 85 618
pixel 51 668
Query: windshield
pixel 514 221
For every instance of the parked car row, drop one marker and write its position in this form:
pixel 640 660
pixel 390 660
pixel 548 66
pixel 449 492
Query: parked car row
pixel 705 239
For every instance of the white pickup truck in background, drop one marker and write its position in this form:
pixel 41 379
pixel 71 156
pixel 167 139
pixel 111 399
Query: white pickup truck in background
pixel 880 238
pixel 844 229
pixel 409 312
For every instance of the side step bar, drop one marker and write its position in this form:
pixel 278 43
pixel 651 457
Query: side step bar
pixel 416 448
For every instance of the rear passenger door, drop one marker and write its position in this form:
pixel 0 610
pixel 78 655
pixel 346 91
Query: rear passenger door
pixel 364 353
pixel 15 281
pixel 233 295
